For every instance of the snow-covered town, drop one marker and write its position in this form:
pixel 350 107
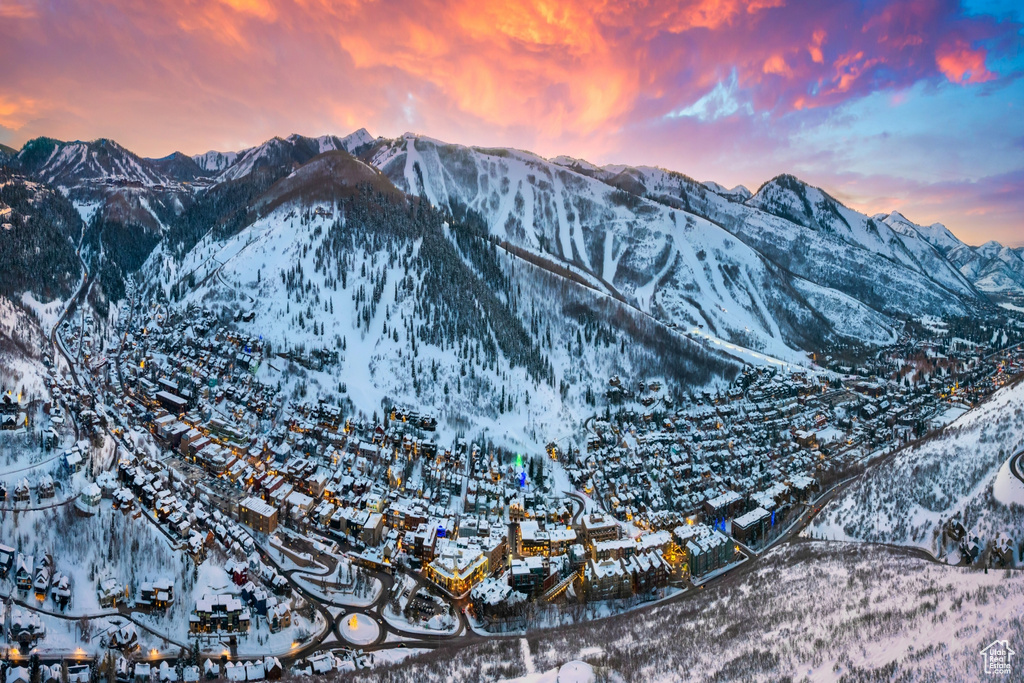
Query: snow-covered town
pixel 173 507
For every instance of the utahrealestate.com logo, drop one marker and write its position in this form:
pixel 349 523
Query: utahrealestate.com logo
pixel 997 657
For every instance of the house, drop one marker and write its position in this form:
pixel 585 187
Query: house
pixel 157 594
pixel 255 671
pixel 23 572
pixel 72 460
pixel 143 672
pixel 22 492
pixel 89 500
pixel 167 673
pixel 322 662
pixel 46 488
pixel 60 591
pixel 7 555
pixel 109 591
pixel 124 638
pixel 26 628
pixel 239 571
pixel 79 673
pixel 279 617
pixel 219 613
pixel 273 668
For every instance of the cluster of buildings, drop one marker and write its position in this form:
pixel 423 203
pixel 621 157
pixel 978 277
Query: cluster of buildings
pixel 681 484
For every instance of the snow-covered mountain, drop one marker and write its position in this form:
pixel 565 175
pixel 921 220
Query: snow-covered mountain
pixel 292 151
pixel 39 231
pixel 749 271
pixel 676 266
pixel 510 280
pixel 421 306
pixel 69 164
pixel 936 234
pixel 214 162
pixel 736 194
pixel 179 167
pixel 810 235
pixel 781 271
pixel 992 268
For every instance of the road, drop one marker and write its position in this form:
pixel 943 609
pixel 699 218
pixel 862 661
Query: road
pixel 1017 466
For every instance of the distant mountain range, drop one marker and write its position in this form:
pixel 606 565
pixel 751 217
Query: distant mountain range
pixel 576 252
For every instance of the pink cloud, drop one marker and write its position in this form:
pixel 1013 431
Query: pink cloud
pixel 962 65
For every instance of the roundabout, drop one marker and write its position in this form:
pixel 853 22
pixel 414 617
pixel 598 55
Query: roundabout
pixel 358 628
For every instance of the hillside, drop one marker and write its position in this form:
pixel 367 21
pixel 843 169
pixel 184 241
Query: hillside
pixel 665 260
pixel 992 267
pixel 421 307
pixel 948 477
pixel 289 153
pixel 41 230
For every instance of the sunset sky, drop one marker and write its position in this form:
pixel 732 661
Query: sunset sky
pixel 915 105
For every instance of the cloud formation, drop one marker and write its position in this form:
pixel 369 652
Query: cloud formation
pixel 604 79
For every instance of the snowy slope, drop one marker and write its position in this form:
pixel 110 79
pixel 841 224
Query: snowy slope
pixel 621 225
pixel 422 312
pixel 805 205
pixel 827 244
pixel 949 476
pixel 736 194
pixel 675 265
pixel 214 161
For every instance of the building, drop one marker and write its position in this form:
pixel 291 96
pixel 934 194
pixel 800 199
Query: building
pixel 751 527
pixel 219 614
pixel 258 515
pixel 456 569
pixel 528 575
pixel 598 528
pixel 373 530
pixel 157 594
pixel 705 549
pixel 607 580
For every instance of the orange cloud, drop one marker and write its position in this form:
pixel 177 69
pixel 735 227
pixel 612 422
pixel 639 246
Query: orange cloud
pixel 16 110
pixel 16 10
pixel 960 64
pixel 817 40
pixel 714 14
pixel 776 64
pixel 262 9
